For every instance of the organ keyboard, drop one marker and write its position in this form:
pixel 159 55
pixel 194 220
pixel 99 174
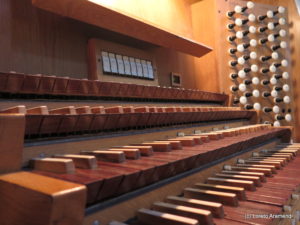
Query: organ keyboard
pixel 117 148
pixel 146 171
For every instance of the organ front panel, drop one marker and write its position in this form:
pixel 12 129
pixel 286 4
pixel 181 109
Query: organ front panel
pixel 124 144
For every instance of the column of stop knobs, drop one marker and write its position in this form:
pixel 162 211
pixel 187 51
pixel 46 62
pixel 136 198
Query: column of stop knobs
pixel 248 33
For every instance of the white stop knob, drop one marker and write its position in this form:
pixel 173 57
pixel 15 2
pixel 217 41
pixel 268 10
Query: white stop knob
pixel 275 55
pixel 243 100
pixel 255 80
pixel 257 106
pixel 242 87
pixel 276 124
pixel 288 117
pixel 273 81
pixel 250 5
pixel 238 9
pixel 271 38
pixel 274 93
pixel 242 74
pixel 271 25
pixel 255 93
pixel 240 48
pixel 238 22
pixel 254 68
pixel 286 88
pixel 282 21
pixel 270 14
pixel 286 99
pixel 282 33
pixel 284 63
pixel 253 55
pixel 253 42
pixel 281 9
pixel 283 44
pixel 272 68
pixel 276 109
pixel 252 29
pixel 285 75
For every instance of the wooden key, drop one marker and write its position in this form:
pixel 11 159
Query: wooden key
pixel 45 200
pixel 176 145
pixel 273 169
pixel 264 162
pixel 294 152
pixel 159 147
pixel 152 217
pixel 110 156
pixel 184 141
pixel 81 161
pixel 217 196
pixel 203 216
pixel 53 165
pixel 21 109
pixel 64 110
pixel 239 191
pixel 283 161
pixel 197 140
pixel 255 179
pixel 247 184
pixel 227 133
pixel 216 208
pixel 288 156
pixel 296 145
pixel 204 137
pixel 267 171
pixel 40 110
pixel 116 223
pixel 260 175
pixel 114 109
pixel 288 147
pixel 145 150
pixel 213 136
pixel 129 153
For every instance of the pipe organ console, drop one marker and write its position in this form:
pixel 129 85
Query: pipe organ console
pixel 120 148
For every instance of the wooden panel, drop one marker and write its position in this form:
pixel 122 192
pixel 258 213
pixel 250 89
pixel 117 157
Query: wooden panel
pixel 37 41
pixel 101 16
pixel 12 128
pixel 203 12
pixel 170 14
pixel 40 200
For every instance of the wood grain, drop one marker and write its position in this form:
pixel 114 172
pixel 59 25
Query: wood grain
pixel 103 17
pixel 31 199
pixel 12 129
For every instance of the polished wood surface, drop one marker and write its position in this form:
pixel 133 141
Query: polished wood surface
pixel 12 128
pixel 59 45
pixel 103 17
pixel 40 200
pixel 130 206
